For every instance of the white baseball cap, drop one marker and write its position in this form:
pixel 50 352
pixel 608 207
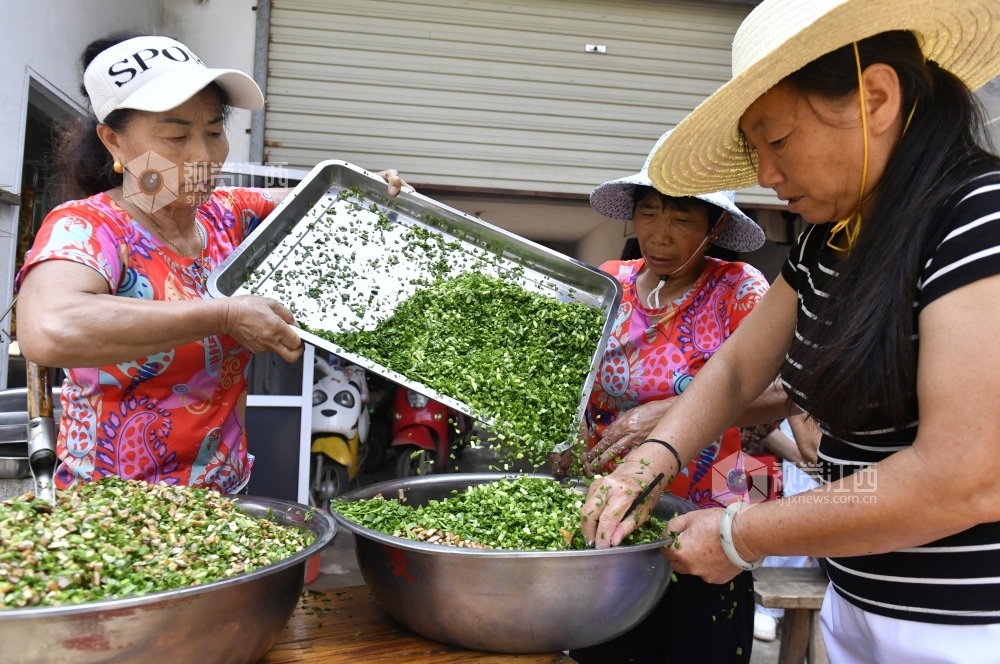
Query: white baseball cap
pixel 157 74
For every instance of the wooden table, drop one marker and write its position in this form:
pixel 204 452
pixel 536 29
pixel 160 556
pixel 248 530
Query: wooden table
pixel 799 591
pixel 354 629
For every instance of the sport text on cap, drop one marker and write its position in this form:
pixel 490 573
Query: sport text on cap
pixel 156 74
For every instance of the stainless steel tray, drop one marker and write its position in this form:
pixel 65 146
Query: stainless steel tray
pixel 302 225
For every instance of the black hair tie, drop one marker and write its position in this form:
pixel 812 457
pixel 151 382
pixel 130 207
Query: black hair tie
pixel 680 466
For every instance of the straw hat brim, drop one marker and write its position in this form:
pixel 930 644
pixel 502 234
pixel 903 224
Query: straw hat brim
pixel 706 153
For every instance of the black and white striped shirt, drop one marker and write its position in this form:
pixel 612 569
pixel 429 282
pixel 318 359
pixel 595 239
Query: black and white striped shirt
pixel 955 580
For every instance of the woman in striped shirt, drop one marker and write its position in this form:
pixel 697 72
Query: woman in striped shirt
pixel 883 327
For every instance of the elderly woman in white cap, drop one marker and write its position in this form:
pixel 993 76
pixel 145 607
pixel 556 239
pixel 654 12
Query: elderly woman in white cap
pixel 114 286
pixel 883 324
pixel 678 307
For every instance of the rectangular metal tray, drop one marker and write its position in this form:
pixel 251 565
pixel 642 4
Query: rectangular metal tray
pixel 293 229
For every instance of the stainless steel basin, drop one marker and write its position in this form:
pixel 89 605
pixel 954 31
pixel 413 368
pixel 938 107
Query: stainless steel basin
pixel 507 601
pixel 233 620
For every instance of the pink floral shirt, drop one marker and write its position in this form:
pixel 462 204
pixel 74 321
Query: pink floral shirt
pixel 654 354
pixel 175 416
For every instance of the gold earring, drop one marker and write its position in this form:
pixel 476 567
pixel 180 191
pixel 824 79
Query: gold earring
pixel 118 167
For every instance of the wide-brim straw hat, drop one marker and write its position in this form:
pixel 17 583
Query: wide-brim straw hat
pixel 706 151
pixel 614 199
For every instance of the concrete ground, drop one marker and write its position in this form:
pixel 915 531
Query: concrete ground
pixel 766 652
pixel 14 488
pixel 339 565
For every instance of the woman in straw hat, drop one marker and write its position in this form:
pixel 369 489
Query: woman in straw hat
pixel 882 326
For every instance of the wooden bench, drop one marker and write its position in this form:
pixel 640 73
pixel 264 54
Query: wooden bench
pixel 799 591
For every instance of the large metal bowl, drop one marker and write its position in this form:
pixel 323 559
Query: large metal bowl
pixel 507 601
pixel 233 620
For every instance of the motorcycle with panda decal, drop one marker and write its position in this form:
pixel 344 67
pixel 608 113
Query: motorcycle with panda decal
pixel 340 430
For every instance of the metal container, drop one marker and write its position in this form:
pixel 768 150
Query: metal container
pixel 232 620
pixel 301 224
pixel 14 431
pixel 507 601
pixel 14 467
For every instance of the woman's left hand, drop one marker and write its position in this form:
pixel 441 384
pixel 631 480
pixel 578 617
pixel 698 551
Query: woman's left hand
pixel 700 551
pixel 396 183
pixel 609 497
pixel 560 463
pixel 630 430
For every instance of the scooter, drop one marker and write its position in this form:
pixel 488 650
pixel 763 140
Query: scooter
pixel 340 427
pixel 381 395
pixel 425 433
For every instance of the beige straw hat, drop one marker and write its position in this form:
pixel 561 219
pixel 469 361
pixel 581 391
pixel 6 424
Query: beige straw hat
pixel 706 153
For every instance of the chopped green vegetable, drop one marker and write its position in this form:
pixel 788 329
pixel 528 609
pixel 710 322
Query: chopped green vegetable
pixel 461 317
pixel 526 513
pixel 118 538
pixel 515 357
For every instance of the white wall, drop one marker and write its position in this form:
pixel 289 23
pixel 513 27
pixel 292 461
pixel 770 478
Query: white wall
pixel 221 33
pixel 536 218
pixel 49 37
pixel 46 37
pixel 604 243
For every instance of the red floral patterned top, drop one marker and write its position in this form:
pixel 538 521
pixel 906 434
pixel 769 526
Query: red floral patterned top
pixel 175 416
pixel 655 353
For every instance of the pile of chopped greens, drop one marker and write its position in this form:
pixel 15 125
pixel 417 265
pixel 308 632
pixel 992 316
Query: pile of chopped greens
pixel 116 538
pixel 342 261
pixel 517 358
pixel 456 316
pixel 526 513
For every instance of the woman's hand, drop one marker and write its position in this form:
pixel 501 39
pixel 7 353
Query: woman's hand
pixel 261 324
pixel 610 497
pixel 560 463
pixel 396 183
pixel 807 437
pixel 700 550
pixel 630 430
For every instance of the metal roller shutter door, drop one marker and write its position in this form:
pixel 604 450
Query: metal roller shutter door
pixel 488 94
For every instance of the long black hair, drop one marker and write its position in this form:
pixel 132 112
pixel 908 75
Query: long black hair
pixel 83 166
pixel 866 364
